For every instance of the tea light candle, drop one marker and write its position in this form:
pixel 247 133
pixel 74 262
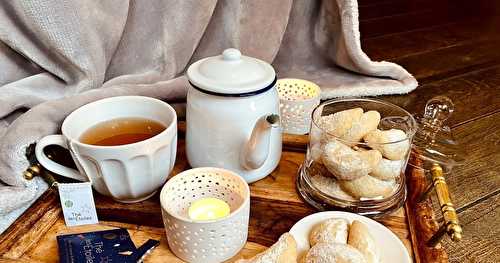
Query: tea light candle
pixel 208 209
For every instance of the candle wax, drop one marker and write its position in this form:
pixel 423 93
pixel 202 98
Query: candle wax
pixel 208 209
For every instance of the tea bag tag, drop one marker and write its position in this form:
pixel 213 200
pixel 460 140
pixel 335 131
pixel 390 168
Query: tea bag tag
pixel 77 203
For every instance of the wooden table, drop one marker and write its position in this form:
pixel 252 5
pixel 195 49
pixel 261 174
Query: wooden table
pixel 452 48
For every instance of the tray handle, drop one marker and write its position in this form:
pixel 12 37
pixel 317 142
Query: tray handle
pixel 451 225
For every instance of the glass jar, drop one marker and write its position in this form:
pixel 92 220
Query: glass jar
pixel 356 157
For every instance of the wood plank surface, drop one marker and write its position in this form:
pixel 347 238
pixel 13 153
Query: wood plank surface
pixel 459 60
pixel 378 18
pixel 403 22
pixel 390 8
pixel 419 42
pixel 479 176
pixel 481 241
pixel 414 17
pixel 474 94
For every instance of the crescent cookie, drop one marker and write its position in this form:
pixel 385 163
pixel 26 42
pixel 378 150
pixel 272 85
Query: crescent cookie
pixel 329 185
pixel 334 230
pixel 373 157
pixel 338 123
pixel 283 251
pixel 333 253
pixel 381 140
pixel 360 238
pixel 315 152
pixel 387 169
pixel 343 162
pixel 367 123
pixel 367 187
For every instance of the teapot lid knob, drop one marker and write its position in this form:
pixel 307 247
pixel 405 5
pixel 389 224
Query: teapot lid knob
pixel 231 54
pixel 231 73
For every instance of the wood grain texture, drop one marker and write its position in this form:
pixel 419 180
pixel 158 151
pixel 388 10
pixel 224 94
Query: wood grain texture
pixel 474 95
pixel 5 260
pixel 379 18
pixel 475 188
pixel 391 8
pixel 481 239
pixel 34 222
pixel 422 41
pixel 268 220
pixel 480 172
pixel 46 250
pixel 421 217
pixel 415 17
pixel 459 60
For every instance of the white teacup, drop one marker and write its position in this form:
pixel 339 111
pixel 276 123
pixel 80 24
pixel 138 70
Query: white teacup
pixel 130 172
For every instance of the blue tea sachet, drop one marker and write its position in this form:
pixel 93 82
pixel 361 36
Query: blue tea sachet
pixel 102 247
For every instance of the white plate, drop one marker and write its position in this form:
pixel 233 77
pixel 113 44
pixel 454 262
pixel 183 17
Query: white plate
pixel 390 246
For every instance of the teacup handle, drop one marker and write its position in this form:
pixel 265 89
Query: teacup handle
pixel 51 165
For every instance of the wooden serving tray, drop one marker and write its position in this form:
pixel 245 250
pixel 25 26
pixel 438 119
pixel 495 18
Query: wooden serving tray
pixel 275 207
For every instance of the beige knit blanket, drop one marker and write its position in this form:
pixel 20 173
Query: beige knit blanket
pixel 56 55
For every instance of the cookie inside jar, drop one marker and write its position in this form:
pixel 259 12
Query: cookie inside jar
pixel 358 150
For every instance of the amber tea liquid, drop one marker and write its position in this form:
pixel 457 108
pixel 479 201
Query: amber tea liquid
pixel 121 131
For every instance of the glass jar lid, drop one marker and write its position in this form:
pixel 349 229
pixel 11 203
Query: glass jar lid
pixel 231 73
pixel 433 142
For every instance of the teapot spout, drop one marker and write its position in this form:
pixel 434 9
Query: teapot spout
pixel 256 149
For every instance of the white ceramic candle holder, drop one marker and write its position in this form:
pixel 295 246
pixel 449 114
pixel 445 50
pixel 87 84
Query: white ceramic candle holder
pixel 298 98
pixel 205 241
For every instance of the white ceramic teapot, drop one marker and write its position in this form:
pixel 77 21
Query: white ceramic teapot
pixel 233 115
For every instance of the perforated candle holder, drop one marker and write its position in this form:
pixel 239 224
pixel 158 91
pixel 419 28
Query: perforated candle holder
pixel 205 241
pixel 298 98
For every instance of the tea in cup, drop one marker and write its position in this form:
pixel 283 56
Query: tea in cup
pixel 125 146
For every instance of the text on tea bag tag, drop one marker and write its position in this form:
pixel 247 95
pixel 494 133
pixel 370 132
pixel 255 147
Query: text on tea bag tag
pixel 77 204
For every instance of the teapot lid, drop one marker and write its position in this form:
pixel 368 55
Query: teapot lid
pixel 433 142
pixel 231 74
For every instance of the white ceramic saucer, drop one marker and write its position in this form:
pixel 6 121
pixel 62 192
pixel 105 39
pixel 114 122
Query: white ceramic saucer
pixel 390 246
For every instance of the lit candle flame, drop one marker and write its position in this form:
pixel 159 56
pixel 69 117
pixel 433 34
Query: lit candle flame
pixel 208 209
